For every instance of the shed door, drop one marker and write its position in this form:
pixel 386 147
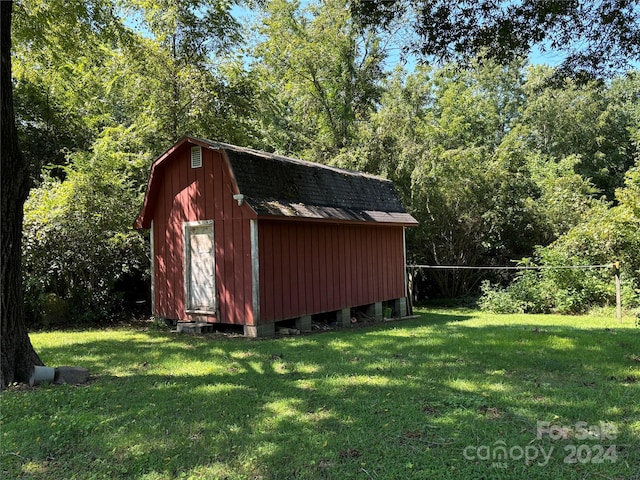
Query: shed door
pixel 200 268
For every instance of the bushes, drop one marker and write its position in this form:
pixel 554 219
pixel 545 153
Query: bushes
pixel 559 290
pixel 53 310
pixel 550 291
pixel 610 234
pixel 79 242
pixel 499 300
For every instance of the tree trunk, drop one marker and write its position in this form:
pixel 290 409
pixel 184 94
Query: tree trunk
pixel 17 355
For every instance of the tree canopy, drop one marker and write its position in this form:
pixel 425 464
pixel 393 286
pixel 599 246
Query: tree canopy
pixel 597 38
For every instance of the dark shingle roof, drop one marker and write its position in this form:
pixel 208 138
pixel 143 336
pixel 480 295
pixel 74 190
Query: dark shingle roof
pixel 280 186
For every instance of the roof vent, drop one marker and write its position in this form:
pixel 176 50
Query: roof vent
pixel 196 157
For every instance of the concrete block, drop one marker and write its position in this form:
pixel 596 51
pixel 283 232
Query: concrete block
pixel 262 330
pixel 187 327
pixel 304 323
pixel 400 307
pixel 375 310
pixel 343 317
pixel 71 375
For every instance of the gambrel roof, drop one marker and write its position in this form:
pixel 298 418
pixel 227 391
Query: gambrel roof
pixel 278 186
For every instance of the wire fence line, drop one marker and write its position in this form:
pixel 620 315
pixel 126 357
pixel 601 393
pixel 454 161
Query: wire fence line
pixel 514 267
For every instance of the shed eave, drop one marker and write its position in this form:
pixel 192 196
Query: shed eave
pixel 324 214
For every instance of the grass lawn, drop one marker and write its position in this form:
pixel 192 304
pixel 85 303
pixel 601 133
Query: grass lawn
pixel 452 394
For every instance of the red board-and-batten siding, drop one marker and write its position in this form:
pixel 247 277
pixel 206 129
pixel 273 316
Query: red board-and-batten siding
pixel 298 266
pixel 313 267
pixel 191 194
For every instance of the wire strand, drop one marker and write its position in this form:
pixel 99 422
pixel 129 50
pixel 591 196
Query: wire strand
pixel 513 267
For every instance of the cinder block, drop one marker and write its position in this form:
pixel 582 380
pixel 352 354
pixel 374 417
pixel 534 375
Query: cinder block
pixel 343 317
pixel 304 323
pixel 71 375
pixel 400 307
pixel 187 327
pixel 375 310
pixel 262 330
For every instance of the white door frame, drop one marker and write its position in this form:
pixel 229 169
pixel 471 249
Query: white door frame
pixel 188 228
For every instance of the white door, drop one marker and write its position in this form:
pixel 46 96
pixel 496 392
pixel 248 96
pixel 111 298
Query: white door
pixel 200 271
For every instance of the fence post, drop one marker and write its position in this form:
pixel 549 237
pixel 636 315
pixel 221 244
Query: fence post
pixel 616 267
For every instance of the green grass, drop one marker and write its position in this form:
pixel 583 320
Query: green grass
pixel 426 398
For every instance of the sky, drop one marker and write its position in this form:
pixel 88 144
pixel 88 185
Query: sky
pixel 537 57
pixel 246 16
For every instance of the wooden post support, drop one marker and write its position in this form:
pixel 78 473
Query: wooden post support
pixel 410 292
pixel 616 267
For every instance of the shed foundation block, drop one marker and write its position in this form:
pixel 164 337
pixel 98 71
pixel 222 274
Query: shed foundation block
pixel 304 323
pixel 400 306
pixel 262 330
pixel 375 310
pixel 343 317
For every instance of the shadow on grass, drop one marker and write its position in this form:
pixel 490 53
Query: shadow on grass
pixel 396 400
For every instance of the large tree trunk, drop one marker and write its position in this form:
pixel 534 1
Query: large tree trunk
pixel 17 355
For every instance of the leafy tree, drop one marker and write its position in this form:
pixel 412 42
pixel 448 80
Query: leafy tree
pixel 47 128
pixel 60 50
pixel 586 121
pixel 17 355
pixel 78 238
pixel 608 235
pixel 171 80
pixel 323 69
pixel 565 198
pixel 191 91
pixel 439 134
pixel 393 141
pixel 597 38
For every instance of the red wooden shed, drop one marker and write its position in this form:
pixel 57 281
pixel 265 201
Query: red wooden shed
pixel 244 237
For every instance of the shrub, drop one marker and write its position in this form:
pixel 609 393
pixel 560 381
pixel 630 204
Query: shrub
pixel 54 311
pixel 609 235
pixel 79 241
pixel 499 300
